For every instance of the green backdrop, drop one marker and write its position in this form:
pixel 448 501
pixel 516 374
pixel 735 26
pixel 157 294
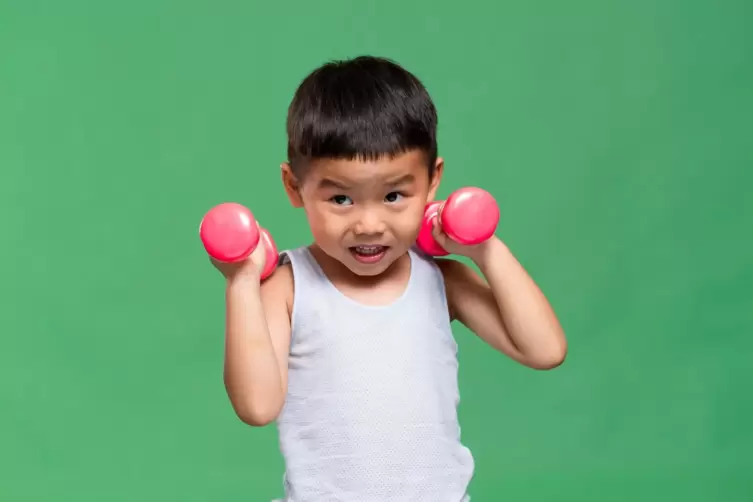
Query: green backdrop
pixel 617 137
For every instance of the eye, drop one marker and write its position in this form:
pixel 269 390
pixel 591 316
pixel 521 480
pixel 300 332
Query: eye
pixel 393 197
pixel 341 200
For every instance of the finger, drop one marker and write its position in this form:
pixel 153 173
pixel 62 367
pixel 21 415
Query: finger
pixel 437 232
pixel 259 256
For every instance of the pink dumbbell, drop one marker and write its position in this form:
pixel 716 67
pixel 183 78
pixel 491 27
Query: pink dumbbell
pixel 230 234
pixel 469 216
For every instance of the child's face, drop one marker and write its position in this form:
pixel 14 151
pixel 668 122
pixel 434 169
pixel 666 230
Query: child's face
pixel 365 214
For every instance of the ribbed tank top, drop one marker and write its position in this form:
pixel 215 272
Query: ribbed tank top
pixel 371 409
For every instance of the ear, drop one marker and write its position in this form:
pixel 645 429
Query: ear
pixel 436 178
pixel 291 185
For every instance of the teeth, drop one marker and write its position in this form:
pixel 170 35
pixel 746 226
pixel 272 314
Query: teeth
pixel 369 249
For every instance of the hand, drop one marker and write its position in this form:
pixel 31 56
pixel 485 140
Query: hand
pixel 250 268
pixel 474 252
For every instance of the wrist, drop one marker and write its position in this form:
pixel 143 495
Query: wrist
pixel 488 251
pixel 243 281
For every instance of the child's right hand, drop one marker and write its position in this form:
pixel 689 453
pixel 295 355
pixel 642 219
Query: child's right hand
pixel 250 268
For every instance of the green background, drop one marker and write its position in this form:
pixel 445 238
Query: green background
pixel 617 137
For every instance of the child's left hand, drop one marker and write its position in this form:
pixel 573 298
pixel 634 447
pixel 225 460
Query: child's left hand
pixel 475 252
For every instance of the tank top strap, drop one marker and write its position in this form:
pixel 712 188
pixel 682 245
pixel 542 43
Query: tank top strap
pixel 306 272
pixel 429 276
pixel 310 286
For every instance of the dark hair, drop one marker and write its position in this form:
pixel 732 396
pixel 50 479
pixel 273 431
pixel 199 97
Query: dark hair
pixel 363 108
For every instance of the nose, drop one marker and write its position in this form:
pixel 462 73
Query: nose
pixel 369 223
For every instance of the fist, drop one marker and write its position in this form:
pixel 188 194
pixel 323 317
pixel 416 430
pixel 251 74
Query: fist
pixel 252 266
pixel 460 225
pixel 236 244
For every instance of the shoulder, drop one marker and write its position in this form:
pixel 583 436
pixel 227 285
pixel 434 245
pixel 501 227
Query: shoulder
pixel 279 287
pixel 454 272
pixel 460 281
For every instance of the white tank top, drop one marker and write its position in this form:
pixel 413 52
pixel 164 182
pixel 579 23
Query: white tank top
pixel 371 409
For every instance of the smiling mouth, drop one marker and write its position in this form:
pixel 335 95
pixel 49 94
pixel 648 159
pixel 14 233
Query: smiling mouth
pixel 368 254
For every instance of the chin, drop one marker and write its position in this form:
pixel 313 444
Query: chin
pixel 368 270
pixel 362 268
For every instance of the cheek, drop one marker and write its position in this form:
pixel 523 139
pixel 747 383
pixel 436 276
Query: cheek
pixel 314 217
pixel 323 224
pixel 408 223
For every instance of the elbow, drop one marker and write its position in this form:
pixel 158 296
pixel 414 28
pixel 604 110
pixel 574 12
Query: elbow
pixel 551 359
pixel 254 407
pixel 256 411
pixel 257 417
pixel 547 364
pixel 256 420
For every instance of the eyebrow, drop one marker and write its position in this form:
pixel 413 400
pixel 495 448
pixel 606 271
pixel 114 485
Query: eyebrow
pixel 402 180
pixel 327 183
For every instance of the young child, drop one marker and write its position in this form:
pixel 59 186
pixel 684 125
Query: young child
pixel 348 345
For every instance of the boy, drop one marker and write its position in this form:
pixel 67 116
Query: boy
pixel 348 346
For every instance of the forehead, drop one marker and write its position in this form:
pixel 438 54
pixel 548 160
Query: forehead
pixel 362 172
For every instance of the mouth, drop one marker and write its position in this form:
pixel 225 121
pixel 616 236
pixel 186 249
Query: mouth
pixel 368 254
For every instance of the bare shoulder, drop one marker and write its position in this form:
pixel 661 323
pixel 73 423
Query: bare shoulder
pixel 457 274
pixel 277 290
pixel 462 284
pixel 281 280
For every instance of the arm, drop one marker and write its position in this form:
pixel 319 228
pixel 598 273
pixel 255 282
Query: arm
pixel 257 341
pixel 507 310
